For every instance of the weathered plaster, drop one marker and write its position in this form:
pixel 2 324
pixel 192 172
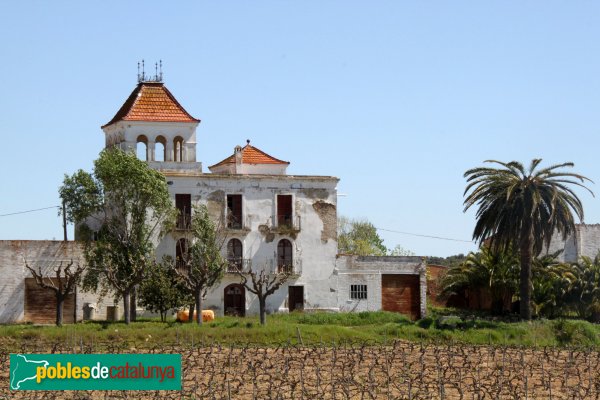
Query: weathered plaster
pixel 328 214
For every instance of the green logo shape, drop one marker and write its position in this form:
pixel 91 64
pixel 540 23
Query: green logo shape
pixel 95 372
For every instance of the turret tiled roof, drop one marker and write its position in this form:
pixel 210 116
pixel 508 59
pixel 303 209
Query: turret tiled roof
pixel 152 101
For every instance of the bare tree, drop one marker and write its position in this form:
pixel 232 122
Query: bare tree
pixel 67 274
pixel 263 284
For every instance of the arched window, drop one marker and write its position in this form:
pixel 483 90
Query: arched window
pixel 284 256
pixel 141 148
pixel 235 255
pixel 160 148
pixel 178 149
pixel 181 253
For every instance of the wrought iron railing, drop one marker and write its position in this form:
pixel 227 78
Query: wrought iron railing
pixel 293 267
pixel 234 222
pixel 287 221
pixel 235 265
pixel 183 221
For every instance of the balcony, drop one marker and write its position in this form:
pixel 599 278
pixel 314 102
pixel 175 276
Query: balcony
pixel 181 266
pixel 292 267
pixel 287 223
pixel 241 225
pixel 237 265
pixel 183 222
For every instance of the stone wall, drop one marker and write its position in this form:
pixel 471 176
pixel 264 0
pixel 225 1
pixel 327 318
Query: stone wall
pixel 38 253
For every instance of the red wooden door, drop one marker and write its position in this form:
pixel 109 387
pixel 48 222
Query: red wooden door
pixel 401 293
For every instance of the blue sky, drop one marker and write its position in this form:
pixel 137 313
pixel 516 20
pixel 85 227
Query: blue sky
pixel 396 98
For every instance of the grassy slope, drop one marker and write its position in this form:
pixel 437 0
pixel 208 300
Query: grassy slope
pixel 315 329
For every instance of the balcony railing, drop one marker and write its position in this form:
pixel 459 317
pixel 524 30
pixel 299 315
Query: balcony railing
pixel 183 222
pixel 237 223
pixel 235 265
pixel 293 267
pixel 287 221
pixel 181 266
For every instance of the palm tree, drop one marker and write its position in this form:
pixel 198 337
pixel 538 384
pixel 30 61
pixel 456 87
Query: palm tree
pixel 492 270
pixel 523 208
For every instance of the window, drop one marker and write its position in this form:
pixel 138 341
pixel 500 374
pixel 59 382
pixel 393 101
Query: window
pixel 358 292
pixel 183 202
pixel 284 256
pixel 178 149
pixel 284 210
pixel 234 255
pixel 141 148
pixel 234 211
pixel 160 149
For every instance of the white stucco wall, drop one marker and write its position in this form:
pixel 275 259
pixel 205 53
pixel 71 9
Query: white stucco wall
pixel 314 201
pixel 585 241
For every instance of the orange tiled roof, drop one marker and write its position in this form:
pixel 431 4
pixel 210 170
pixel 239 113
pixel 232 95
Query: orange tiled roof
pixel 251 155
pixel 152 101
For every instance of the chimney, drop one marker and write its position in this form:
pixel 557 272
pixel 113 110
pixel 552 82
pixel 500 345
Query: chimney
pixel 237 151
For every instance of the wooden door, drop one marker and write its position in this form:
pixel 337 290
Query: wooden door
pixel 284 210
pixel 296 298
pixel 401 293
pixel 234 211
pixel 235 300
pixel 183 203
pixel 40 304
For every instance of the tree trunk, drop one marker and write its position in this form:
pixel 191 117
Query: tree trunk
pixel 525 251
pixel 191 314
pixel 262 310
pixel 133 305
pixel 198 297
pixel 126 305
pixel 60 302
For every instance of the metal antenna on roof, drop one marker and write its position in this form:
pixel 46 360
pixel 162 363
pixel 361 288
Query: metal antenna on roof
pixel 158 74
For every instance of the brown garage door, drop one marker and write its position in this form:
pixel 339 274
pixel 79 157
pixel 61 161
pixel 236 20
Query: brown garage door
pixel 40 304
pixel 400 293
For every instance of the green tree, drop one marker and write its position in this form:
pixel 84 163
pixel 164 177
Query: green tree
pixel 494 270
pixel 130 203
pixel 584 292
pixel 161 290
pixel 552 284
pixel 449 261
pixel 359 237
pixel 201 265
pixel 400 251
pixel 523 208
